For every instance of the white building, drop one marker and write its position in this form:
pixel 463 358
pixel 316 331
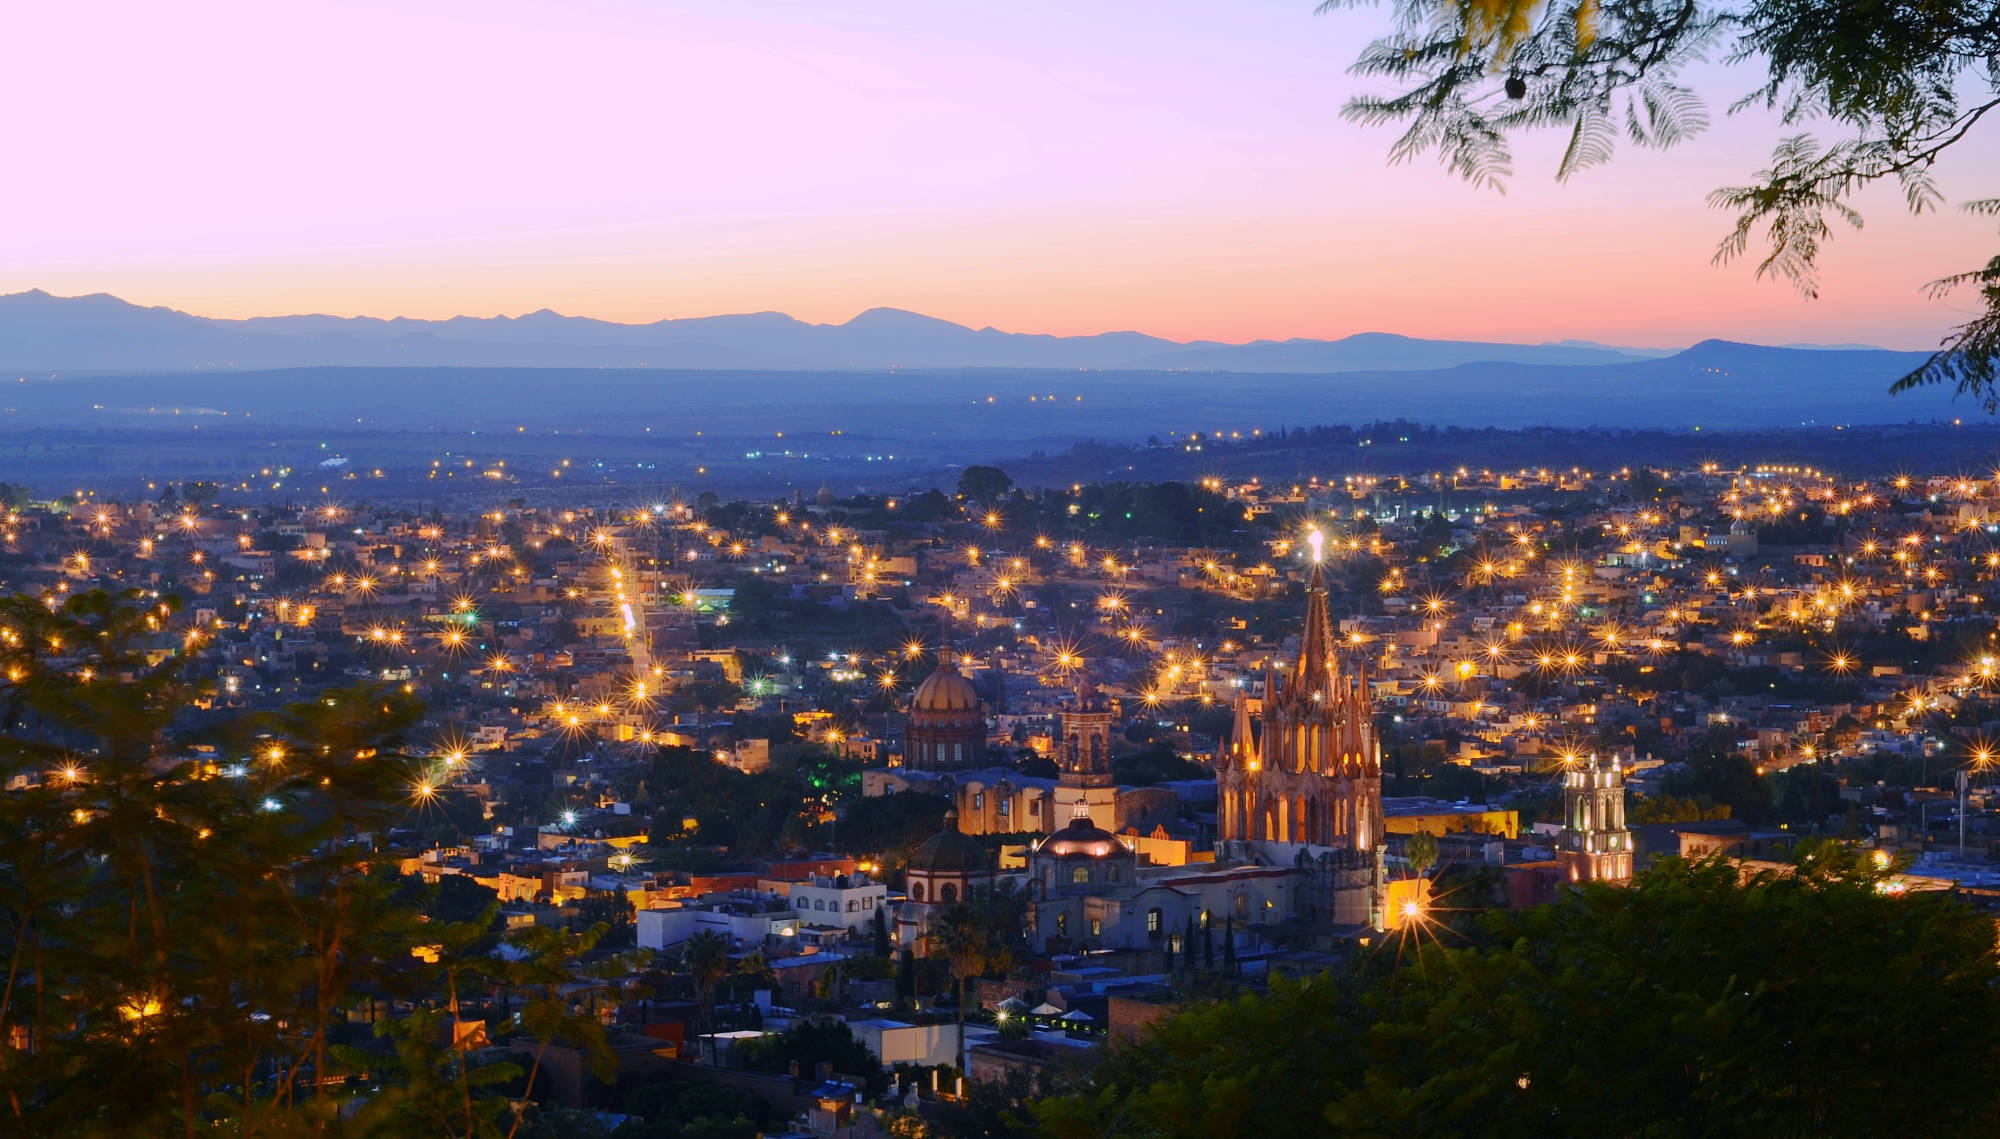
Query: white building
pixel 849 900
pixel 898 1042
pixel 747 925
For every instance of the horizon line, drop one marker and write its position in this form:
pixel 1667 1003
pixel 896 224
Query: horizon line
pixel 1566 341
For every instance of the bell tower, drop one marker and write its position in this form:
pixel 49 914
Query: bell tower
pixel 1086 738
pixel 1595 846
pixel 1084 755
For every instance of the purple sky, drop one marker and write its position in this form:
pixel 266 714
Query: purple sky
pixel 1175 167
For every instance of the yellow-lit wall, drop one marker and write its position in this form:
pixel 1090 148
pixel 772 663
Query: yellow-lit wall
pixel 1403 893
pixel 1506 824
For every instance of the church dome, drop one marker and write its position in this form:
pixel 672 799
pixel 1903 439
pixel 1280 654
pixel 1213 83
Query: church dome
pixel 946 690
pixel 1081 839
pixel 949 851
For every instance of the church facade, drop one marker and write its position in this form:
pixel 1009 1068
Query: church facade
pixel 1303 764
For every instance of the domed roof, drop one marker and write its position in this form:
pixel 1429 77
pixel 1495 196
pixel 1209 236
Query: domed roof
pixel 949 851
pixel 1081 839
pixel 946 690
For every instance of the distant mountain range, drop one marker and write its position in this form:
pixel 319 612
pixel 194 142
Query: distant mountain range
pixel 1715 384
pixel 887 374
pixel 40 333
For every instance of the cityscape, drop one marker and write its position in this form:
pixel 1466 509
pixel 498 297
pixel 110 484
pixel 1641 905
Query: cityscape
pixel 1308 721
pixel 632 570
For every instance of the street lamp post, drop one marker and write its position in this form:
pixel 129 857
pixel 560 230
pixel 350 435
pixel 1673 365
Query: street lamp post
pixel 1962 780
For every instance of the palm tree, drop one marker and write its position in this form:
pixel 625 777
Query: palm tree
pixel 706 959
pixel 1421 852
pixel 964 938
pixel 753 971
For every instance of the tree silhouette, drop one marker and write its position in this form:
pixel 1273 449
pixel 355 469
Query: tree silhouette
pixel 1693 1002
pixel 1904 82
pixel 705 959
pixel 1420 850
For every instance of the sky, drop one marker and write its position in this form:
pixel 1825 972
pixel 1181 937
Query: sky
pixel 1170 166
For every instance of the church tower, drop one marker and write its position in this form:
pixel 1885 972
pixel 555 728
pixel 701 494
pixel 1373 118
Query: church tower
pixel 1595 845
pixel 1086 737
pixel 1304 765
pixel 1084 755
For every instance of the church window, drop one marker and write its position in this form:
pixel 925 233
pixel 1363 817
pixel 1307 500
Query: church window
pixel 917 891
pixel 1204 919
pixel 1153 920
pixel 1080 875
pixel 1004 806
pixel 947 893
pixel 1241 901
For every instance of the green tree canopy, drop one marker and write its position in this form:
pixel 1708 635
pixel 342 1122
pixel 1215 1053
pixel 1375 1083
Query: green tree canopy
pixel 200 919
pixel 1820 1002
pixel 984 484
pixel 1156 764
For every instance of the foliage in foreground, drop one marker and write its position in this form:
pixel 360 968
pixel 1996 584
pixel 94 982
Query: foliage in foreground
pixel 1898 82
pixel 1687 1004
pixel 202 931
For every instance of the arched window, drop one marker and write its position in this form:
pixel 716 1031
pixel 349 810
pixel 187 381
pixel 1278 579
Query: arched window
pixel 948 893
pixel 1080 875
pixel 1204 919
pixel 1153 919
pixel 917 891
pixel 1241 902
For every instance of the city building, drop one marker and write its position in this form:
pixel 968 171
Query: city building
pixel 947 724
pixel 1595 846
pixel 1303 765
pixel 948 867
pixel 842 900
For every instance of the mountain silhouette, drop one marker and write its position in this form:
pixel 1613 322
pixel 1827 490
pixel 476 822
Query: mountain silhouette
pixel 41 333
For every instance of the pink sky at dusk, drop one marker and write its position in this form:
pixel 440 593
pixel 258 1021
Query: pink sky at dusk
pixel 1171 166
